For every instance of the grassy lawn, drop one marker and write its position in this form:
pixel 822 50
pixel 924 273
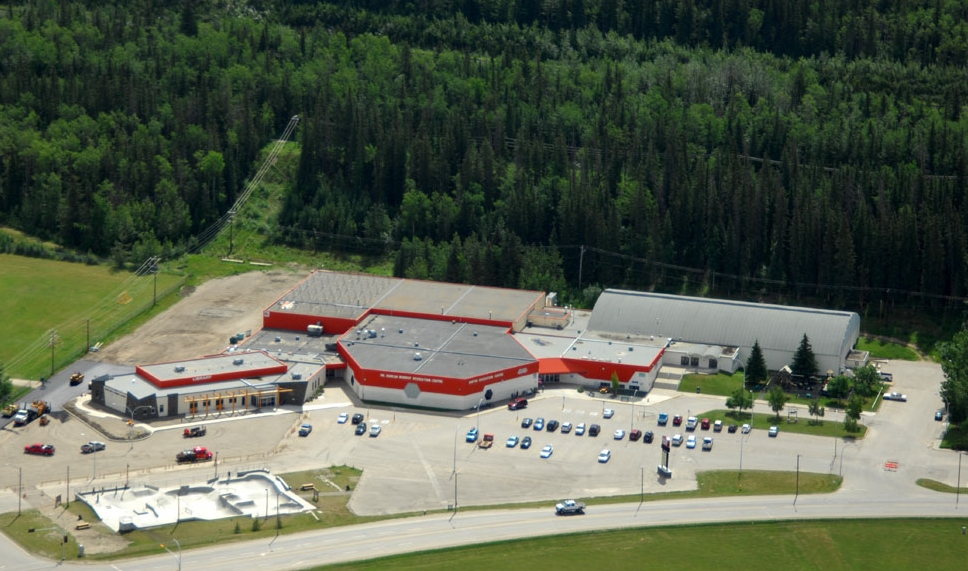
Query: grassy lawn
pixel 956 437
pixel 941 487
pixel 763 421
pixel 898 545
pixel 880 349
pixel 718 384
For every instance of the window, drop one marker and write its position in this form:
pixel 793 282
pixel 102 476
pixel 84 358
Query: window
pixel 713 364
pixel 684 360
pixel 161 408
pixel 694 361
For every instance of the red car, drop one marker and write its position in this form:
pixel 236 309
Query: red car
pixel 42 449
pixel 677 420
pixel 704 424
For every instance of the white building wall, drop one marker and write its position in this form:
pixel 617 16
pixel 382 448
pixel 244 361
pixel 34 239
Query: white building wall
pixel 115 400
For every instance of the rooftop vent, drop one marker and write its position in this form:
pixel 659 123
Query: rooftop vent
pixel 180 369
pixel 238 361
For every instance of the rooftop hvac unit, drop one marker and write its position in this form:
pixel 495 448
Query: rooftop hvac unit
pixel 296 376
pixel 180 369
pixel 238 361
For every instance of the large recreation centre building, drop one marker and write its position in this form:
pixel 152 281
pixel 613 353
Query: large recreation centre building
pixel 448 346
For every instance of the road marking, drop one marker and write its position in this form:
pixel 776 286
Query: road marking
pixel 427 468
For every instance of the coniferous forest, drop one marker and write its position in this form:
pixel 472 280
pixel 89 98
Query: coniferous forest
pixel 766 149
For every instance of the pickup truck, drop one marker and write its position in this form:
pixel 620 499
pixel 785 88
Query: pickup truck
pixel 194 432
pixel 487 441
pixel 196 454
pixel 569 507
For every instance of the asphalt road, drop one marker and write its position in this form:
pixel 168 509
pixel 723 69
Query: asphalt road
pixel 421 462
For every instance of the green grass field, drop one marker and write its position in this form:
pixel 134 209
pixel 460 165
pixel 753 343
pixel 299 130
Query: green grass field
pixel 898 545
pixel 37 296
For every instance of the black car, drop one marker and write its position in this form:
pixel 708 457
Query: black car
pixel 361 429
pixel 648 437
pixel 594 429
pixel 939 415
pixel 552 426
pixel 526 423
pixel 731 429
pixel 357 418
pixel 526 443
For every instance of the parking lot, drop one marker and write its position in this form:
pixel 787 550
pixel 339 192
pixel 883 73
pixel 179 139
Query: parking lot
pixel 421 460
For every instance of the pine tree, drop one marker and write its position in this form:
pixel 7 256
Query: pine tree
pixel 804 361
pixel 755 366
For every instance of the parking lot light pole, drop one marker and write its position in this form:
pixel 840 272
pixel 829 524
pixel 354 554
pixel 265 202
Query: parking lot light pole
pixel 177 557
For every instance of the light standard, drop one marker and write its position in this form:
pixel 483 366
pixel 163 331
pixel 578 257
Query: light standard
pixel 177 557
pixel 798 481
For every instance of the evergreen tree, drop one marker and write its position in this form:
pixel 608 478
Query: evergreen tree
pixel 804 361
pixel 755 367
pixel 954 388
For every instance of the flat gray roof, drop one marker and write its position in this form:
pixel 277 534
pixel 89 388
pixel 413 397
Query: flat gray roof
pixel 349 296
pixel 294 346
pixel 446 349
pixel 250 361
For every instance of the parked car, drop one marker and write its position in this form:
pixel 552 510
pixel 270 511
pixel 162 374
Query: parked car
pixel 746 429
pixel 704 424
pixel 604 456
pixel 92 446
pixel 518 404
pixel 357 418
pixel 732 428
pixel 194 432
pixel 677 420
pixel 608 413
pixel 580 429
pixel 619 434
pixel 895 396
pixel 718 426
pixel 691 441
pixel 677 440
pixel 526 443
pixel 565 427
pixel 691 423
pixel 648 437
pixel 635 434
pixel 939 414
pixel 707 443
pixel 526 423
pixel 539 423
pixel 360 429
pixel 375 430
pixel 547 451
pixel 342 418
pixel 41 449
pixel 594 429
pixel 513 441
pixel 552 425
pixel 663 418
pixel 305 429
pixel 774 430
pixel 471 435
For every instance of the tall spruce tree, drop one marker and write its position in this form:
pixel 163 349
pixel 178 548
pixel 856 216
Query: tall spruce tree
pixel 755 366
pixel 804 361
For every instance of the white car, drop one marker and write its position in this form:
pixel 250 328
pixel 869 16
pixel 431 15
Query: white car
pixel 746 429
pixel 677 440
pixel 691 423
pixel 375 430
pixel 691 441
pixel 580 429
pixel 774 430
pixel 546 451
pixel 608 413
pixel 92 446
pixel 619 434
pixel 707 443
pixel 604 456
pixel 342 418
pixel 895 396
pixel 512 441
pixel 566 427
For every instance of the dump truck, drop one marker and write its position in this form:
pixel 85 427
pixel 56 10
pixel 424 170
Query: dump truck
pixel 487 441
pixel 196 454
pixel 26 415
pixel 77 378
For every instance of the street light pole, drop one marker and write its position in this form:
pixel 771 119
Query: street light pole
pixel 798 481
pixel 958 489
pixel 20 487
pixel 177 557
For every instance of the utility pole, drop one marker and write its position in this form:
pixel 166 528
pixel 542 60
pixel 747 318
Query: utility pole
pixel 52 340
pixel 581 261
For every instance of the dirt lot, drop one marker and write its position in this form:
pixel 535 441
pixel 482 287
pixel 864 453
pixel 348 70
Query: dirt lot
pixel 202 322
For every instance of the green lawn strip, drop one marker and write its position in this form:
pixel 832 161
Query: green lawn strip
pixel 763 421
pixel 956 437
pixel 880 349
pixel 940 487
pixel 896 544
